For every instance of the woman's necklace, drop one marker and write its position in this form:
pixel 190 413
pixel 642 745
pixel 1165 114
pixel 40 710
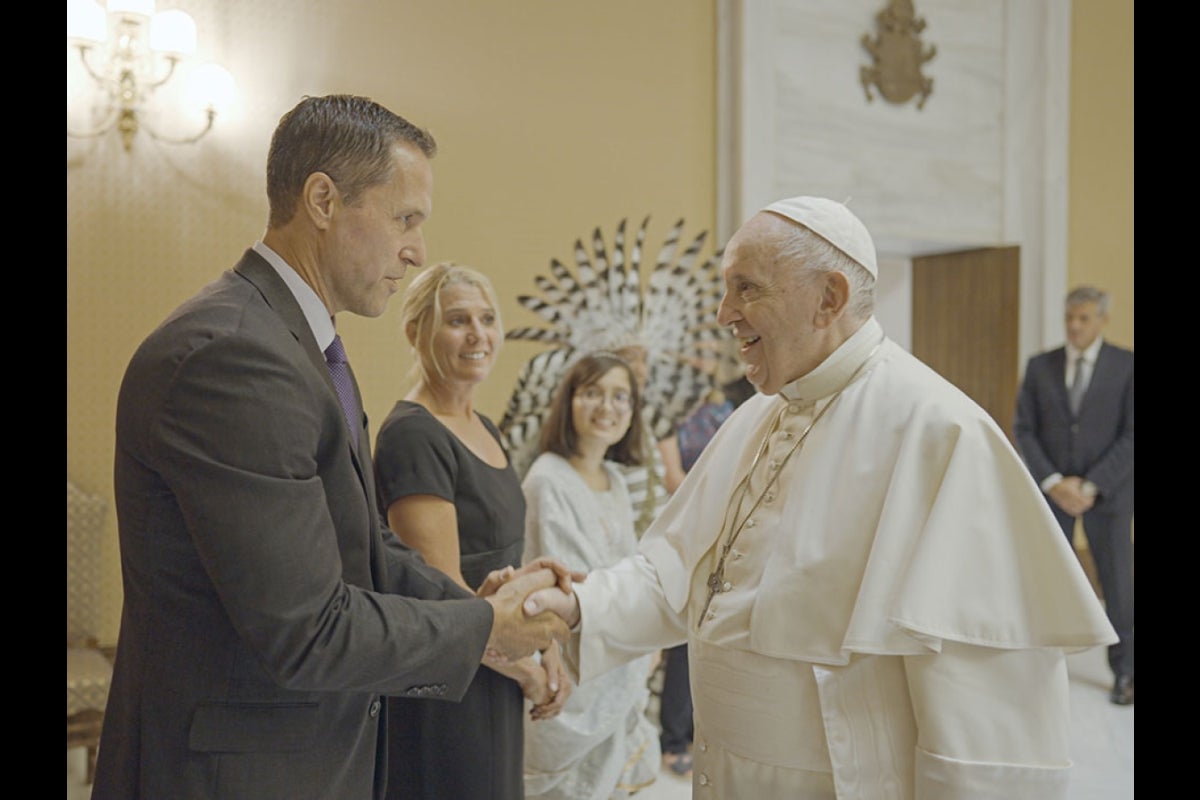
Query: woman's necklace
pixel 716 582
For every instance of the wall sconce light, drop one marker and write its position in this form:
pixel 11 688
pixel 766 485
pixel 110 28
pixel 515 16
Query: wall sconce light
pixel 130 52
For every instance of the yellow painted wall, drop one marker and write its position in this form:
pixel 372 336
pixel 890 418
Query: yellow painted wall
pixel 1101 157
pixel 553 118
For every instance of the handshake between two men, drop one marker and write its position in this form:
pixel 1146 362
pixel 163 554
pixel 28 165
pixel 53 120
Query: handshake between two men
pixel 534 607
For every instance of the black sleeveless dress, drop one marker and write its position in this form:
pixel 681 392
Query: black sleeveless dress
pixel 441 750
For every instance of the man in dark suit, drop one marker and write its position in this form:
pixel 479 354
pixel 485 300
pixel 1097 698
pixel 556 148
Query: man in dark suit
pixel 1074 428
pixel 267 609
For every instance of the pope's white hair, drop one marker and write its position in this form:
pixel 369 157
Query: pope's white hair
pixel 813 256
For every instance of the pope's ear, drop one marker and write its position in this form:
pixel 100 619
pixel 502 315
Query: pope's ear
pixel 410 332
pixel 835 295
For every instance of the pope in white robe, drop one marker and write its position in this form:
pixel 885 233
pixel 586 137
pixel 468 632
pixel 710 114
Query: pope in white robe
pixel 877 600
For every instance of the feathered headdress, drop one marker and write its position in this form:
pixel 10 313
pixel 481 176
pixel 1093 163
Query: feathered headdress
pixel 603 305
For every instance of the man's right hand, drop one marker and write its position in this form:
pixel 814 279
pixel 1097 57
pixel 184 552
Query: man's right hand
pixel 516 634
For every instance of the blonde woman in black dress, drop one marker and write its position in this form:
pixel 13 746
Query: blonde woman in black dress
pixel 450 492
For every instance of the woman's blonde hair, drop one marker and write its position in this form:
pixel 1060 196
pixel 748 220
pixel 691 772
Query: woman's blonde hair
pixel 421 309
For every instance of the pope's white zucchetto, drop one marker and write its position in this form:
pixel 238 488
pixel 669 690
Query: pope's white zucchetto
pixel 834 223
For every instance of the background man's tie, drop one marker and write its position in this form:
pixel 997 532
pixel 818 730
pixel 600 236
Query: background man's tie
pixel 339 370
pixel 1078 386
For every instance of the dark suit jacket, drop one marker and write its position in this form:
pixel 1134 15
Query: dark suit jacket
pixel 266 606
pixel 1098 445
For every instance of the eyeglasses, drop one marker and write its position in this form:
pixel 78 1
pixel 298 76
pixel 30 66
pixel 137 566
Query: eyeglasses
pixel 594 396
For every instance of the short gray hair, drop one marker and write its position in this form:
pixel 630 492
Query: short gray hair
pixel 1089 294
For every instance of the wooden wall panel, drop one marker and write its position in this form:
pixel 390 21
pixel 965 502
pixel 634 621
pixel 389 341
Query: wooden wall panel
pixel 966 323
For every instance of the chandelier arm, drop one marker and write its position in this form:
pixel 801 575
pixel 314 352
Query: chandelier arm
pixel 211 114
pixel 113 114
pixel 98 77
pixel 172 61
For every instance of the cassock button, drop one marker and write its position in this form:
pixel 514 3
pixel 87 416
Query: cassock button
pixel 711 615
pixel 737 555
pixel 703 746
pixel 787 436
pixel 703 779
pixel 774 465
pixel 726 586
pixel 373 711
pixel 750 523
pixel 795 407
pixel 769 497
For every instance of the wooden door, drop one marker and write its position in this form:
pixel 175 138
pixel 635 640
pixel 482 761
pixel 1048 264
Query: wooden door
pixel 966 323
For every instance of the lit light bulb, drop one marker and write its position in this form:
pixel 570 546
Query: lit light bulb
pixel 86 22
pixel 173 33
pixel 211 87
pixel 139 8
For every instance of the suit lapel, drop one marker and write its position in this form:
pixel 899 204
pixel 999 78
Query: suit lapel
pixel 279 297
pixel 255 269
pixel 1058 378
pixel 1100 372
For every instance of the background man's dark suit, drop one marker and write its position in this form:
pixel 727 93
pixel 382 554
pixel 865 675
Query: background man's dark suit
pixel 1096 445
pixel 263 614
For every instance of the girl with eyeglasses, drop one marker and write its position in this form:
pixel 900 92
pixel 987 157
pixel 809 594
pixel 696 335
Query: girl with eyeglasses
pixel 602 746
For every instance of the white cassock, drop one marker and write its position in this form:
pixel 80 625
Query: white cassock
pixel 895 610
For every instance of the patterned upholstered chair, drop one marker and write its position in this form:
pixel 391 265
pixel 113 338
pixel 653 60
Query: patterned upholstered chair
pixel 88 670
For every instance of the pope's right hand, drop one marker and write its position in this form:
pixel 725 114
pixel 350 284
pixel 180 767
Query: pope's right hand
pixel 497 578
pixel 554 599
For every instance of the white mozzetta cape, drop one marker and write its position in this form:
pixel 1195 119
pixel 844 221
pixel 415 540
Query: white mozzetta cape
pixel 916 582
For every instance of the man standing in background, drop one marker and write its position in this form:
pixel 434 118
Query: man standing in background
pixel 1074 429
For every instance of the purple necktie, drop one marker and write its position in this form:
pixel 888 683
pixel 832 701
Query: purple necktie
pixel 339 370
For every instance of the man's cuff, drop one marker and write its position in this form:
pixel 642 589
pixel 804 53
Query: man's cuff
pixel 1050 481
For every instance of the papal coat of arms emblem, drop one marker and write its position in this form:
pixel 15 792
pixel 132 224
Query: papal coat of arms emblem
pixel 898 54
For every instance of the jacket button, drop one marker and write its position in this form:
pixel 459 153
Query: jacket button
pixel 373 711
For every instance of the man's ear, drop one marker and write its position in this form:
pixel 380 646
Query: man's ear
pixel 319 198
pixel 835 295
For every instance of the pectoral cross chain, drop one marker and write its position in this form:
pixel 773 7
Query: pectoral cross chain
pixel 716 584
